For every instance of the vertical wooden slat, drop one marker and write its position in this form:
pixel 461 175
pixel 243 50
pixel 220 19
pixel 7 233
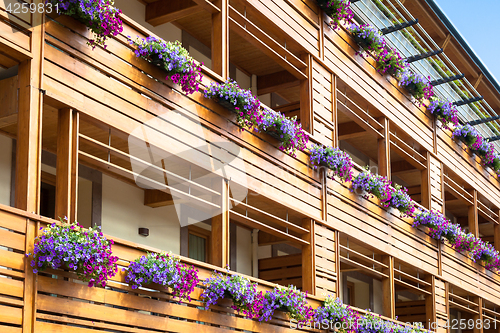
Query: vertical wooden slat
pixel 473 217
pixel 384 159
pixel 337 263
pixel 388 303
pixel 220 39
pixel 66 166
pixel 306 97
pixel 220 231
pixel 426 184
pixel 334 111
pixel 308 258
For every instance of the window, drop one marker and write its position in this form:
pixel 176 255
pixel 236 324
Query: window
pixel 198 242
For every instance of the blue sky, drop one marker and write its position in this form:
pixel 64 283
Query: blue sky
pixel 479 23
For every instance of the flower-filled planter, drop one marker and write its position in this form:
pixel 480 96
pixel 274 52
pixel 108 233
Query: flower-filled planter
pixel 399 199
pixel 98 15
pixel 467 134
pixel 368 37
pixel 444 111
pixel 416 84
pixel 68 245
pixel 484 149
pixel 367 184
pixel 243 294
pixel 336 314
pixel 389 62
pixel 163 269
pixel 241 101
pixel 461 241
pixel 289 300
pixel 287 130
pixel 439 226
pixel 337 10
pixel 495 163
pixel 332 158
pixel 181 68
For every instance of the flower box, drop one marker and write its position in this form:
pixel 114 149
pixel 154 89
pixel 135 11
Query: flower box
pixel 226 104
pixel 175 60
pixel 155 59
pixel 274 133
pixel 87 252
pixel 225 302
pixel 241 101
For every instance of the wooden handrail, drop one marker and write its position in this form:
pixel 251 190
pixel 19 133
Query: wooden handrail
pixel 120 153
pixel 360 255
pixel 411 277
pixel 278 220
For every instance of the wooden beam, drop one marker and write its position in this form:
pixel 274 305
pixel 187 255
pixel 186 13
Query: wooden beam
pixel 478 80
pixel 157 198
pixel 220 39
pixel 276 81
pixel 384 165
pixel 350 130
pixel 9 96
pixel 9 120
pixel 66 179
pixel 401 167
pixel 164 11
pixel 219 239
pixel 208 6
pixel 308 256
pixel 473 217
pixel 446 41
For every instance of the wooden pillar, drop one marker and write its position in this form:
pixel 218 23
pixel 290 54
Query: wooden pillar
pixel 388 302
pixel 334 111
pixel 306 96
pixel 67 164
pixel 28 156
pixel 384 149
pixel 496 236
pixel 430 303
pixel 219 241
pixel 308 259
pixel 220 39
pixel 473 218
pixel 478 317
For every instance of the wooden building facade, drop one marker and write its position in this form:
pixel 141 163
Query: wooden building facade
pixel 78 125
